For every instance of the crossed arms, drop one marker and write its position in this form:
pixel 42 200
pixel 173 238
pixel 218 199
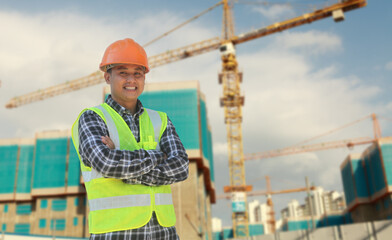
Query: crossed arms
pixel 148 167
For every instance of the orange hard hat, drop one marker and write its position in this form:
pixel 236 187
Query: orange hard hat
pixel 124 51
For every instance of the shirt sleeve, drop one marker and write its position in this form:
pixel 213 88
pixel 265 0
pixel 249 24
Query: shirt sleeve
pixel 174 167
pixel 120 164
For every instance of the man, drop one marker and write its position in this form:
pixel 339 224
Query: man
pixel 129 154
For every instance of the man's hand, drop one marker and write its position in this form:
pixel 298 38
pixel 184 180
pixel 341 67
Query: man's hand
pixel 108 142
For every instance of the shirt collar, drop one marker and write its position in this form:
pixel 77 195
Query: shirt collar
pixel 122 110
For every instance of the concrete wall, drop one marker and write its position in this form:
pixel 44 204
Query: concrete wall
pixel 378 230
pixel 192 206
pixel 45 216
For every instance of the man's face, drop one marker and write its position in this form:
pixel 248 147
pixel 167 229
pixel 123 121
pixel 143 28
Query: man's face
pixel 126 82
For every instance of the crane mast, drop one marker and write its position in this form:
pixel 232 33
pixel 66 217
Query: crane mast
pixel 232 102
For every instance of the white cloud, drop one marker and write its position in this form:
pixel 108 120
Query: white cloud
pixel 389 106
pixel 285 89
pixel 310 42
pixel 46 49
pixel 275 12
pixel 388 66
pixel 220 148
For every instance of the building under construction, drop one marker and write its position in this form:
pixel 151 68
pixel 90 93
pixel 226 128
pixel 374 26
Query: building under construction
pixel 42 191
pixel 367 182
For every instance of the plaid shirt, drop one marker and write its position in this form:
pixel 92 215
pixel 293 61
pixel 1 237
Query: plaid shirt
pixel 147 167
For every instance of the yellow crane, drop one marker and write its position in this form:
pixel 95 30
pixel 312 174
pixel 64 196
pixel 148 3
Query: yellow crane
pixel 230 78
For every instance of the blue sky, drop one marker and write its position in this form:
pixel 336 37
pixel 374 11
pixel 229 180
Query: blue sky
pixel 297 84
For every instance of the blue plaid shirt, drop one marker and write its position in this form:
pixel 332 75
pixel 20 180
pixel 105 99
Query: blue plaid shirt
pixel 147 167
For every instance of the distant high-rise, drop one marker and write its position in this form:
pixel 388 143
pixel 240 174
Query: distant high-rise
pixel 323 202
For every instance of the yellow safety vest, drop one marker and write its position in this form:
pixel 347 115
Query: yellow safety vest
pixel 117 206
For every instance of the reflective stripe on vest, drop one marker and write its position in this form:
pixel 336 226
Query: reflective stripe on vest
pixel 119 202
pixel 113 133
pixel 129 201
pixel 90 175
pixel 163 199
pixel 156 122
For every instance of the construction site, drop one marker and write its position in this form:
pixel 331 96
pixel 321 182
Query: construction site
pixel 43 194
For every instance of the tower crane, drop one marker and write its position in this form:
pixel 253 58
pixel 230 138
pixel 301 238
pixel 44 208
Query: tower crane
pixel 230 78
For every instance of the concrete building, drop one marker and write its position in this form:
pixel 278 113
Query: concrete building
pixel 293 210
pixel 326 206
pixel 333 202
pixel 42 190
pixel 322 203
pixel 258 214
pixel 217 229
pixel 367 183
pixel 216 225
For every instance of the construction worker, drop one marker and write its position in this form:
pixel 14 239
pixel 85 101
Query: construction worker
pixel 129 154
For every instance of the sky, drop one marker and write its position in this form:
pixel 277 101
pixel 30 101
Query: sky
pixel 297 84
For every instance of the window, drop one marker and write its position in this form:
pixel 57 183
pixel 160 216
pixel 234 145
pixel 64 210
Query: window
pixel 75 221
pixel 386 203
pixel 23 209
pixel 44 203
pixel 57 224
pixel 59 204
pixel 42 223
pixel 378 206
pixel 22 228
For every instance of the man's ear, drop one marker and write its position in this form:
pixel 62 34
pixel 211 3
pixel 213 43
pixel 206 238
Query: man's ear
pixel 107 77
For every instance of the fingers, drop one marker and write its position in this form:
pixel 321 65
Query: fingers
pixel 108 142
pixel 104 140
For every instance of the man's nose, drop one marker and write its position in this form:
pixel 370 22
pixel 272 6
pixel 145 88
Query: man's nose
pixel 131 78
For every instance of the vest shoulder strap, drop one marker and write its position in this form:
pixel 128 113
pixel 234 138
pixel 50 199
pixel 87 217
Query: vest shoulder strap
pixel 156 123
pixel 113 132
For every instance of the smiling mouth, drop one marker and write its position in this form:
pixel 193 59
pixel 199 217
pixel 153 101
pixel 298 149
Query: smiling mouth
pixel 130 88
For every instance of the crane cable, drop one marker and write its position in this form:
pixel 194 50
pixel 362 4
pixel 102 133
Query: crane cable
pixel 331 131
pixel 182 24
